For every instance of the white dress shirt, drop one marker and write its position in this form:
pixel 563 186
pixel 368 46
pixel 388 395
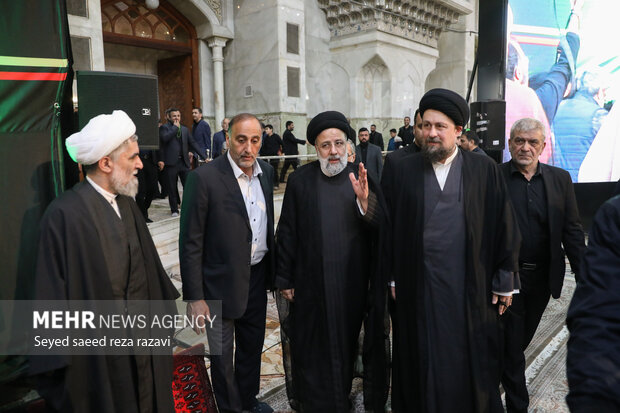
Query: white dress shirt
pixel 109 196
pixel 443 169
pixel 255 206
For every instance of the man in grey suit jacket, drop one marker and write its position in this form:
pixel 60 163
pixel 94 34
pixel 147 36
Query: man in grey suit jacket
pixel 369 154
pixel 227 253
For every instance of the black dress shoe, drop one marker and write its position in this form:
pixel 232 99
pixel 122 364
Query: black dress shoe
pixel 149 220
pixel 261 407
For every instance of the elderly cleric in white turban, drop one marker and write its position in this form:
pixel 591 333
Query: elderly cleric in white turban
pixel 101 135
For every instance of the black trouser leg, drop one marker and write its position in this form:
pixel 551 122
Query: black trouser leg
pixel 284 170
pixel 236 386
pixel 150 181
pixel 222 370
pixel 274 164
pixel 513 374
pixel 520 324
pixel 249 338
pixel 141 195
pixel 161 178
pixel 172 173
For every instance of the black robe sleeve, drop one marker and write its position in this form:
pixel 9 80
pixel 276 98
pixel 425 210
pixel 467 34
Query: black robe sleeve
pixel 286 237
pixel 593 358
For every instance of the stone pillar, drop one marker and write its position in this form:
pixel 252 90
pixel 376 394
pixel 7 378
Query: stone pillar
pixel 217 44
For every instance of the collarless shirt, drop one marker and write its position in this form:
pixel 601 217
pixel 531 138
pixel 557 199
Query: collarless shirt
pixel 443 169
pixel 109 196
pixel 530 204
pixel 256 207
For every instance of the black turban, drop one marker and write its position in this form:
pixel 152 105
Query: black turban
pixel 327 120
pixel 447 102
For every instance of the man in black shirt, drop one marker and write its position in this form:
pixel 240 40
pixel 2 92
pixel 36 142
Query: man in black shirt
pixel 470 141
pixel 376 138
pixel 290 148
pixel 272 146
pixel 544 202
pixel 406 132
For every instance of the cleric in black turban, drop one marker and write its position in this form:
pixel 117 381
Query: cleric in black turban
pixel 326 120
pixel 447 102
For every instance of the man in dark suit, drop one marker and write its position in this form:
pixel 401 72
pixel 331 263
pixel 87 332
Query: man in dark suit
pixel 544 202
pixel 219 139
pixel 174 142
pixel 369 154
pixel 290 148
pixel 201 132
pixel 227 253
pixel 376 138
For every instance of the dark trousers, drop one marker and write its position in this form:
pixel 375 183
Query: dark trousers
pixel 172 173
pixel 274 164
pixel 520 324
pixel 287 162
pixel 237 383
pixel 147 187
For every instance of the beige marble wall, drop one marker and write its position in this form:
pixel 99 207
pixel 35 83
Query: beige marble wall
pixel 251 59
pixel 457 55
pixel 90 27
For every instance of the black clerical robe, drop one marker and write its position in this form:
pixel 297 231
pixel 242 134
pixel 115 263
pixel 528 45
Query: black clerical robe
pixel 78 260
pixel 323 243
pixel 491 244
pixel 593 355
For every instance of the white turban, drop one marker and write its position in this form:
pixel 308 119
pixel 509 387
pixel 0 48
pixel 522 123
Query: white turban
pixel 101 135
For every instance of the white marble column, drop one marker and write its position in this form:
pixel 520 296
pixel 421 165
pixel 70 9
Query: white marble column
pixel 217 44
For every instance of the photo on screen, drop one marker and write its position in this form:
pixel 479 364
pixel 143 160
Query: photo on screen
pixel 563 68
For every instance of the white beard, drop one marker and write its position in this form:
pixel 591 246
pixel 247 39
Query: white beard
pixel 330 169
pixel 123 186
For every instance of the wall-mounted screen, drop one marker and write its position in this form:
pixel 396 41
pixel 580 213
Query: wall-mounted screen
pixel 563 68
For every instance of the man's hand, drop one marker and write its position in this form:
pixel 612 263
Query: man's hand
pixel 177 123
pixel 191 157
pixel 160 165
pixel 504 302
pixel 289 294
pixel 199 311
pixel 360 186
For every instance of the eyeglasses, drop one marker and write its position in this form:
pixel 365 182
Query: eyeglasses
pixel 350 155
pixel 534 143
pixel 326 146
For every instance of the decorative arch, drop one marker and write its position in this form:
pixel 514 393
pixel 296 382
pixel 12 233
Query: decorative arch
pixel 130 22
pixel 373 89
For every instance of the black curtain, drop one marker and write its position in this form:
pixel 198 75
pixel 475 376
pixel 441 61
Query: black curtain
pixel 35 117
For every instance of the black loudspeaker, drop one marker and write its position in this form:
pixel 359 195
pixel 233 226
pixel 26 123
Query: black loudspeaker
pixel 488 120
pixel 492 21
pixel 103 92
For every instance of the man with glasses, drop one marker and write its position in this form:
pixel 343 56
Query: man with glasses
pixel 544 202
pixel 326 272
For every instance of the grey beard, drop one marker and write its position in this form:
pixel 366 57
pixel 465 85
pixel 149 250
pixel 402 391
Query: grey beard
pixel 438 154
pixel 129 188
pixel 329 169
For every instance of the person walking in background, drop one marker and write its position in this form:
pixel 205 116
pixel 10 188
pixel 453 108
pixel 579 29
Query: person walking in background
pixel 290 148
